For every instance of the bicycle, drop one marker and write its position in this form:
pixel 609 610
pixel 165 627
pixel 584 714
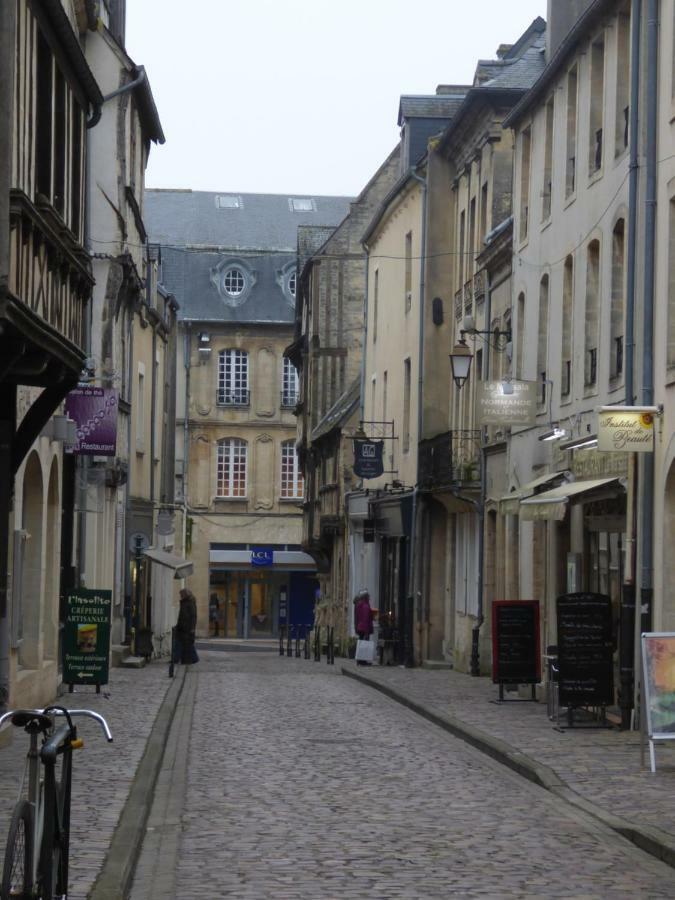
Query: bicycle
pixel 37 852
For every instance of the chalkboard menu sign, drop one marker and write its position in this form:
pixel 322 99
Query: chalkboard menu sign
pixel 585 649
pixel 515 642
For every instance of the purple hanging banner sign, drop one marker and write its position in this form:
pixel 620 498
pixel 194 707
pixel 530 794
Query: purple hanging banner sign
pixel 94 410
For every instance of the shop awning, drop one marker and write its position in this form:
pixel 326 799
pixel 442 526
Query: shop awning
pixel 181 567
pixel 509 504
pixel 552 505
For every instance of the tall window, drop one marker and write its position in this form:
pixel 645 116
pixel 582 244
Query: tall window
pixel 548 162
pixel 595 147
pixel 140 409
pixel 520 325
pixel 484 224
pixel 292 482
pixel 233 378
pixel 671 285
pixel 542 339
pixel 592 314
pixel 231 465
pixel 384 395
pixel 571 164
pixel 376 299
pixel 408 271
pixel 472 235
pixel 289 384
pixel 406 405
pixel 462 230
pixel 525 149
pixel 567 308
pixel 616 324
pixel 622 84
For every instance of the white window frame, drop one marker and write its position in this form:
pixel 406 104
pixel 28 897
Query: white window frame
pixel 231 462
pixel 290 384
pixel 292 480
pixel 233 389
pixel 238 273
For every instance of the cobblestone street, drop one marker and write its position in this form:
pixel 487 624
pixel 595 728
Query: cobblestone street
pixel 302 784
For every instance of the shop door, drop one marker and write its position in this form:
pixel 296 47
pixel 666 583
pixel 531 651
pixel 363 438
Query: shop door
pixel 606 573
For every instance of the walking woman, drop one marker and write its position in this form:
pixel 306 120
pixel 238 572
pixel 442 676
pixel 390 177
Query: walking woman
pixel 185 629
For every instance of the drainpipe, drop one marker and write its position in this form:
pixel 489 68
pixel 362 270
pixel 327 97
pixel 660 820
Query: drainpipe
pixel 480 507
pixel 647 392
pixel 187 349
pixel 627 613
pixel 8 410
pixel 414 592
pixel 362 402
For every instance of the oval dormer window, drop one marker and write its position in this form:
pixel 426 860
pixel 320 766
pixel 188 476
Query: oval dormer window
pixel 292 283
pixel 234 281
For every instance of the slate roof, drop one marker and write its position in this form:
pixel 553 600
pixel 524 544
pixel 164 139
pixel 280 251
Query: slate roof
pixel 517 74
pixel 262 222
pixel 339 413
pixel 429 106
pixel 198 236
pixel 187 273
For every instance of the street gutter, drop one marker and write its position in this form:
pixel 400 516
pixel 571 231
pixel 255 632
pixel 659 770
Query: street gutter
pixel 654 841
pixel 115 878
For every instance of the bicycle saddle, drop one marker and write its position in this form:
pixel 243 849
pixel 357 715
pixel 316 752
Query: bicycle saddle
pixel 31 720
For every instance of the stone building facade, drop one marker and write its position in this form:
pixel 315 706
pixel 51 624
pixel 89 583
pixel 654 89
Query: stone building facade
pixel 230 260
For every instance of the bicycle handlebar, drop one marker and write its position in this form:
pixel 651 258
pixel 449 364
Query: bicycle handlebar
pixel 55 711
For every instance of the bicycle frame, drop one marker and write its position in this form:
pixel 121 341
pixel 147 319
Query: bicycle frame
pixel 49 799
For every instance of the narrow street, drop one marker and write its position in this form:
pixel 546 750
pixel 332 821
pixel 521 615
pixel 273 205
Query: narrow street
pixel 282 779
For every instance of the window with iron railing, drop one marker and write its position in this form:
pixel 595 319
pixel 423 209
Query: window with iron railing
pixel 233 387
pixel 289 385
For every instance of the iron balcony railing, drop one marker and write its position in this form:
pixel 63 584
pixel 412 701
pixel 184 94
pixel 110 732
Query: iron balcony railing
pixel 451 458
pixel 235 397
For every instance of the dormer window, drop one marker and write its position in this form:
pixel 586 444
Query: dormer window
pixel 234 281
pixel 228 201
pixel 301 204
pixel 292 283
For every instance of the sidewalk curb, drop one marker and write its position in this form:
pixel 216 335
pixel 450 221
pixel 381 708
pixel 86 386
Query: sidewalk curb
pixel 114 879
pixel 652 840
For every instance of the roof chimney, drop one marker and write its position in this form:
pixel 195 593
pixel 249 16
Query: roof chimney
pixel 562 15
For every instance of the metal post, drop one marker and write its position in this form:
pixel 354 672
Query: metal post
pixel 136 608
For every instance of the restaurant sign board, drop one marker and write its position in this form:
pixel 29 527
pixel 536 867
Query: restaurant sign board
pixel 625 428
pixel 86 636
pixel 506 402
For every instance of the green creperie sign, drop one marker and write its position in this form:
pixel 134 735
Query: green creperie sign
pixel 86 637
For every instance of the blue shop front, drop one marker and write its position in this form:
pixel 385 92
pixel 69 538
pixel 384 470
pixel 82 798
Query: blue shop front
pixel 254 590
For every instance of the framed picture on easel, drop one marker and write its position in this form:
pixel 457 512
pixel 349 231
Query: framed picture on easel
pixel 658 662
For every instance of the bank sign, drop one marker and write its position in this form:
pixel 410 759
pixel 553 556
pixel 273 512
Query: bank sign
pixel 368 458
pixel 625 428
pixel 86 637
pixel 506 402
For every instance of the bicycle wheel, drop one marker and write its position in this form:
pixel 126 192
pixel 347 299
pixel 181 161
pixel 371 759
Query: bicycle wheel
pixel 17 880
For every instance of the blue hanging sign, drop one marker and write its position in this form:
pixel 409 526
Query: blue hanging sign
pixel 368 462
pixel 262 556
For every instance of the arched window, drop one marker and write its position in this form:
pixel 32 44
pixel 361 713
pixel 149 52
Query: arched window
pixel 292 482
pixel 616 323
pixel 231 468
pixel 567 307
pixel 592 314
pixel 233 378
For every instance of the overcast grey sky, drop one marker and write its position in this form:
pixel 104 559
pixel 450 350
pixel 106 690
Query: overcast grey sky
pixel 300 95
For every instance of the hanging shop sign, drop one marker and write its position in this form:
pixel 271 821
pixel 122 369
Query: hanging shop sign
pixel 368 458
pixel 658 659
pixel 262 556
pixel 515 642
pixel 86 637
pixel 94 410
pixel 585 650
pixel 506 402
pixel 625 428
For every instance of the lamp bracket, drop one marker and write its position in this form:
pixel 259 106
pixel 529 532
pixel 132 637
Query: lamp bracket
pixel 497 339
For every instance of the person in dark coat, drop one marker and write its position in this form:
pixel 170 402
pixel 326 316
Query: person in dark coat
pixel 185 628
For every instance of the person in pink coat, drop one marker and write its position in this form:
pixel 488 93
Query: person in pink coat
pixel 363 616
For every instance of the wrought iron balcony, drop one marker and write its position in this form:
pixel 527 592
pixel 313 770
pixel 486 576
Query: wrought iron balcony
pixel 289 399
pixel 450 459
pixel 235 397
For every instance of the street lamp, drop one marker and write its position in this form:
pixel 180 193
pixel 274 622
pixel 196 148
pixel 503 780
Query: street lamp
pixel 460 362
